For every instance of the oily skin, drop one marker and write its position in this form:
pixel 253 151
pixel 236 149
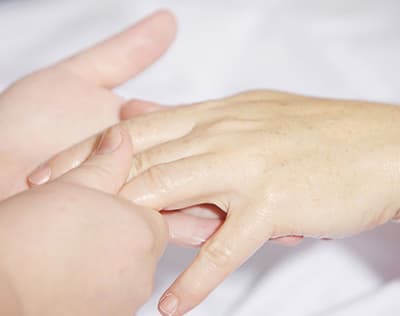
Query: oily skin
pixel 61 105
pixel 278 164
pixel 73 247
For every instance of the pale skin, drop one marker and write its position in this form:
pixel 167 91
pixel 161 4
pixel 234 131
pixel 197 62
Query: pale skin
pixel 73 247
pixel 277 164
pixel 40 115
pixel 61 105
pixel 53 109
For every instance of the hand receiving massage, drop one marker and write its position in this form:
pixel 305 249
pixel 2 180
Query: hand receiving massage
pixel 278 164
pixel 74 248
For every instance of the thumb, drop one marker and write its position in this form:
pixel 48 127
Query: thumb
pixel 134 108
pixel 108 167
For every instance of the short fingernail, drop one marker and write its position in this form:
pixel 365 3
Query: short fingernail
pixel 40 176
pixel 110 141
pixel 168 304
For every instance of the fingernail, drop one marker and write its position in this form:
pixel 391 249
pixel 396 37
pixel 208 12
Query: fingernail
pixel 40 176
pixel 110 141
pixel 168 304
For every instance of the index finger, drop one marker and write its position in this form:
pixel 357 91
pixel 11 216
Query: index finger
pixel 237 239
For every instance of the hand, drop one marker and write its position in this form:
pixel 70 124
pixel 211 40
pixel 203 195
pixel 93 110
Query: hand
pixel 72 247
pixel 72 100
pixel 57 107
pixel 279 164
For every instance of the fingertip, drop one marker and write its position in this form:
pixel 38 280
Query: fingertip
pixel 168 304
pixel 40 176
pixel 121 57
pixel 63 162
pixel 177 300
pixel 168 18
pixel 234 242
pixel 162 22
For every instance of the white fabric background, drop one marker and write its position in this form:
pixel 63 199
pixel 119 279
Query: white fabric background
pixel 337 48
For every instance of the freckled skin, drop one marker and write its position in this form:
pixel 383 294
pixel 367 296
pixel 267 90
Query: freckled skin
pixel 279 164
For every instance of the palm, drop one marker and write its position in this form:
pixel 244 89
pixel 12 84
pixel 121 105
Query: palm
pixel 57 107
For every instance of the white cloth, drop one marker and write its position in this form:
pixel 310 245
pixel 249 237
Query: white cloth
pixel 337 48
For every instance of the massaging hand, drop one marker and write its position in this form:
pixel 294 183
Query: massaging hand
pixel 73 247
pixel 66 103
pixel 278 164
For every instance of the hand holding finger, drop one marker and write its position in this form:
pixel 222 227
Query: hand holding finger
pixel 107 168
pixel 230 246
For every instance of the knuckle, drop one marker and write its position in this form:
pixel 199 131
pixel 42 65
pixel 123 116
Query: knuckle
pixel 140 163
pixel 227 124
pixel 216 254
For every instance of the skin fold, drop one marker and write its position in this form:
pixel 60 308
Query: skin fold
pixel 276 163
pixel 73 247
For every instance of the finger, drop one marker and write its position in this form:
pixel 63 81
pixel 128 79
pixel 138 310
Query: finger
pixel 179 184
pixel 106 170
pixel 134 108
pixel 188 230
pixel 116 60
pixel 146 131
pixel 158 127
pixel 63 162
pixel 237 239
pixel 165 153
